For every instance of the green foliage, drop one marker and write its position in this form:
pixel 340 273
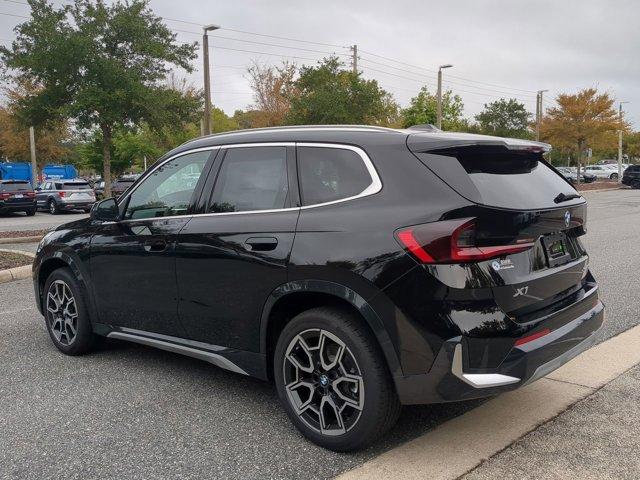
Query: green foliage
pixel 424 106
pixel 329 94
pixel 505 118
pixel 221 122
pixel 102 65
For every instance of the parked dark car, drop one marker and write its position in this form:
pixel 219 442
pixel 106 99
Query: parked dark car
pixel 571 175
pixel 359 268
pixel 63 195
pixel 631 176
pixel 17 196
pixel 120 185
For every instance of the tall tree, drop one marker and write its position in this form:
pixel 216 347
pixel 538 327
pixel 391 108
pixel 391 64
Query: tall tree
pixel 330 94
pixel 14 133
pixel 273 88
pixel 102 65
pixel 423 108
pixel 505 118
pixel 581 120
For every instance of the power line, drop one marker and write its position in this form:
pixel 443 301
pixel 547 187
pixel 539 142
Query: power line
pixel 264 43
pixel 13 15
pixel 448 75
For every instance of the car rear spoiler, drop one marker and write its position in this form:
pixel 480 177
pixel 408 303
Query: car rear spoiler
pixel 427 141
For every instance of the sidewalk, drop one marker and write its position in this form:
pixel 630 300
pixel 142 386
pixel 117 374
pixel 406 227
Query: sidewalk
pixel 596 438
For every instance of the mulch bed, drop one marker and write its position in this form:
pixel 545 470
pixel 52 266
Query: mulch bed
pixel 11 260
pixel 601 185
pixel 23 233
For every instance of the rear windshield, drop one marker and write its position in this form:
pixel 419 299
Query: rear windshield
pixel 499 177
pixel 72 186
pixel 14 186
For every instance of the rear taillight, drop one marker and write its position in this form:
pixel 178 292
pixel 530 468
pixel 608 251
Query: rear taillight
pixel 4 196
pixel 453 241
pixel 62 194
pixel 30 194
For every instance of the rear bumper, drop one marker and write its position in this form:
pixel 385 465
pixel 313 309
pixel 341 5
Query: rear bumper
pixel 75 205
pixel 17 207
pixel 572 330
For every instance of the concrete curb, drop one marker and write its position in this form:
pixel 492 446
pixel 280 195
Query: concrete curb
pixel 602 190
pixel 20 240
pixel 17 273
pixel 485 431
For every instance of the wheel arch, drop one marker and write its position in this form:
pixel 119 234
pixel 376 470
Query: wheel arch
pixel 62 259
pixel 292 298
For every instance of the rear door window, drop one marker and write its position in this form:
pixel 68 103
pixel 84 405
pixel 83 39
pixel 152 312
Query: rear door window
pixel 330 174
pixel 500 177
pixel 251 179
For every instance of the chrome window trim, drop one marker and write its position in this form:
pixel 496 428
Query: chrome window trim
pixel 374 187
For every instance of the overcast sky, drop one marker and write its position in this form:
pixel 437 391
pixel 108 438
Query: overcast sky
pixel 512 47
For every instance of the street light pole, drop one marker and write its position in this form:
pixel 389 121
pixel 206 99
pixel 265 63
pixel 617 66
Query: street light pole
pixel 439 96
pixel 539 113
pixel 207 78
pixel 620 144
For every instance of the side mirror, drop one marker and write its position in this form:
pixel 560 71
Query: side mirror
pixel 106 210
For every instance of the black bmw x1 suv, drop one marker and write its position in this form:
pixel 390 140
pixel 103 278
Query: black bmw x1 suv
pixel 359 268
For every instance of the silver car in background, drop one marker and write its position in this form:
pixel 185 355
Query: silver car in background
pixel 63 195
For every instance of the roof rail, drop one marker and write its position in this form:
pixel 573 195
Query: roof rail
pixel 425 127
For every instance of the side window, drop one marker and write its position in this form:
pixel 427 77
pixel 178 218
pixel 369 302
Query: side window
pixel 58 186
pixel 329 174
pixel 168 190
pixel 251 178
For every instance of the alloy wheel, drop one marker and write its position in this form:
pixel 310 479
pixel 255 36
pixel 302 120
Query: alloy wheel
pixel 52 207
pixel 323 382
pixel 62 312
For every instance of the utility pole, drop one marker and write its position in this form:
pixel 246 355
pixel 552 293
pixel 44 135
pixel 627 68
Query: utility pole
pixel 539 112
pixel 207 78
pixel 620 144
pixel 34 165
pixel 439 96
pixel 354 58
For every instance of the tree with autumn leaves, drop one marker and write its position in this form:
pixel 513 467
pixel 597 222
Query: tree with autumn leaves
pixel 584 120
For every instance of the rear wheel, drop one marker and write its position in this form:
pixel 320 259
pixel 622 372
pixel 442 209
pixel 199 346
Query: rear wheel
pixel 53 207
pixel 635 184
pixel 333 381
pixel 66 315
pixel 613 176
pixel 31 212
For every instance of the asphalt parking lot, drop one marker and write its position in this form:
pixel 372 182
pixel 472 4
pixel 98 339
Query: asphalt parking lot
pixel 135 412
pixel 18 221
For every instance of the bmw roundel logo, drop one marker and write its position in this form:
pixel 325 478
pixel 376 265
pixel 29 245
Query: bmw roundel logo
pixel 567 218
pixel 495 265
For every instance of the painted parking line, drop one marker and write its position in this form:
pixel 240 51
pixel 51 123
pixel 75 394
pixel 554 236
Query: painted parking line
pixel 459 445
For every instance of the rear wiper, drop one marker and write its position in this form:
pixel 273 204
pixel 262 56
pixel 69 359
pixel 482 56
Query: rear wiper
pixel 563 197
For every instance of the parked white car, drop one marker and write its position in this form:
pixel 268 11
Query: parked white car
pixel 609 171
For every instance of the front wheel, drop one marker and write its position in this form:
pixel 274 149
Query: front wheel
pixel 66 313
pixel 613 176
pixel 31 212
pixel 333 381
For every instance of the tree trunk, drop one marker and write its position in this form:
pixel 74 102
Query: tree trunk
pixel 106 157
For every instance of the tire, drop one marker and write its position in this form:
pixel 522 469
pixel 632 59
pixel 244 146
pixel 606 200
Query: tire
pixel 86 210
pixel 373 406
pixel 58 315
pixel 613 176
pixel 53 207
pixel 31 212
pixel 635 184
